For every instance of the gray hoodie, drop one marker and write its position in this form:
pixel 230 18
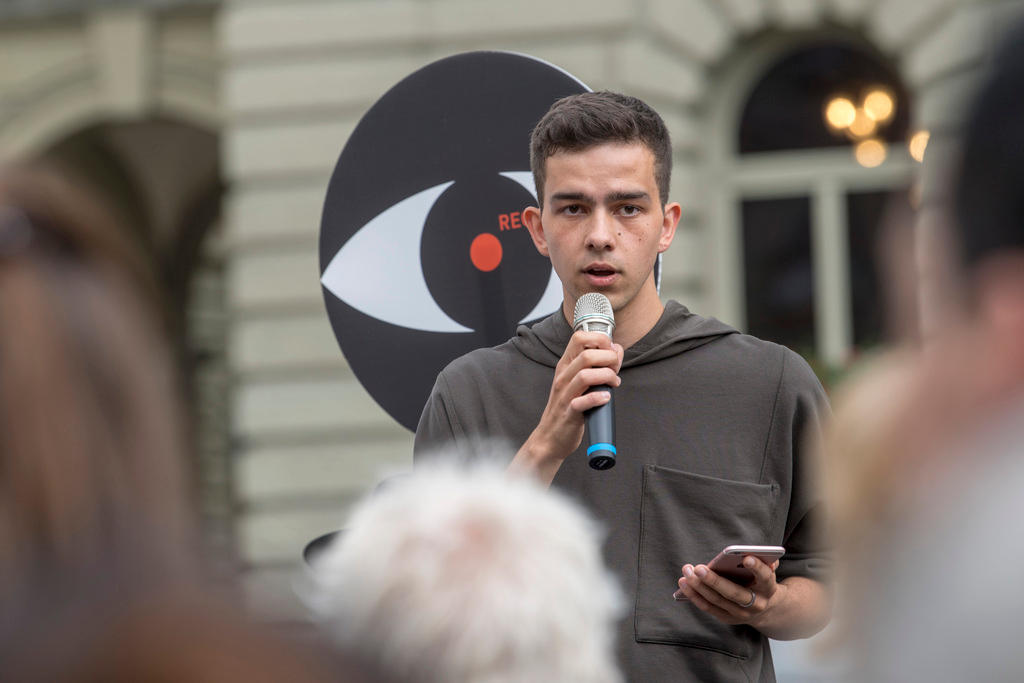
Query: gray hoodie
pixel 710 427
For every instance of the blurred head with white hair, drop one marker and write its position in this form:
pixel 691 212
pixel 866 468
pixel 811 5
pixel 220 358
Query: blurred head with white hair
pixel 464 574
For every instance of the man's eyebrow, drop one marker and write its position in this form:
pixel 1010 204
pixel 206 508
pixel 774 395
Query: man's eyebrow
pixel 572 197
pixel 608 199
pixel 625 196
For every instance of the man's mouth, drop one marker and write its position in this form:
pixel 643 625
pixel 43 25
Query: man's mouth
pixel 600 271
pixel 600 274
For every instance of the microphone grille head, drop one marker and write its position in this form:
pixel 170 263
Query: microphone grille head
pixel 593 308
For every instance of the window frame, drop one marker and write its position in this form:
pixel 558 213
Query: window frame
pixel 825 175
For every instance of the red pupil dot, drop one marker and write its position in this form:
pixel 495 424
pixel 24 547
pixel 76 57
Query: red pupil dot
pixel 485 252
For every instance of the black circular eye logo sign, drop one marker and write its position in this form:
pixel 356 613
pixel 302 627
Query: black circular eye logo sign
pixel 423 252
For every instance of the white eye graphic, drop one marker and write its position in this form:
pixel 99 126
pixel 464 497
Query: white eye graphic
pixel 378 271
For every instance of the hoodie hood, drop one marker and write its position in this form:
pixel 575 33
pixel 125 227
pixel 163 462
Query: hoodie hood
pixel 677 330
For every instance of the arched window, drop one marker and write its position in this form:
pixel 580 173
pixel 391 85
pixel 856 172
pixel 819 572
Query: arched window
pixel 161 176
pixel 812 97
pixel 814 154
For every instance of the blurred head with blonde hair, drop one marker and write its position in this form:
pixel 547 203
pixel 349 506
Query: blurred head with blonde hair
pixel 925 449
pixel 465 574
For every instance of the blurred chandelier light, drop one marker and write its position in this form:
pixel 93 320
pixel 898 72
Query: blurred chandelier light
pixel 870 153
pixel 878 105
pixel 861 123
pixel 840 113
pixel 917 145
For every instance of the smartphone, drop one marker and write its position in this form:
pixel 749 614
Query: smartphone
pixel 729 562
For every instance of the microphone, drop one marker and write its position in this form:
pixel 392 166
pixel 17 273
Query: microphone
pixel 593 313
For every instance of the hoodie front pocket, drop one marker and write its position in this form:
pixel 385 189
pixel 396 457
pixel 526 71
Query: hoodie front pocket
pixel 687 519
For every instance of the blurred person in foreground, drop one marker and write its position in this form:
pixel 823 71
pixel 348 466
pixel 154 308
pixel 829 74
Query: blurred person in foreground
pixel 91 440
pixel 454 575
pixel 927 451
pixel 99 570
pixel 102 634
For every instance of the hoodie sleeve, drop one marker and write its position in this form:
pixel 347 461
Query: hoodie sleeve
pixel 438 428
pixel 800 412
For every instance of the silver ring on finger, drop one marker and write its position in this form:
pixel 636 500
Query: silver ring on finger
pixel 753 597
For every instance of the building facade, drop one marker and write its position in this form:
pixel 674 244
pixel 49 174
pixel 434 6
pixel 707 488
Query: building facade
pixel 214 127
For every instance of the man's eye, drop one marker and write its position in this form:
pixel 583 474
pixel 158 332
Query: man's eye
pixel 572 210
pixel 629 210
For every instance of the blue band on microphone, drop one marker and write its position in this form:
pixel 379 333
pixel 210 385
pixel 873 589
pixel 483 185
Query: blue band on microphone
pixel 601 447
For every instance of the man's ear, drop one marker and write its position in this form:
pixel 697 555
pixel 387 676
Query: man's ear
pixel 531 217
pixel 668 225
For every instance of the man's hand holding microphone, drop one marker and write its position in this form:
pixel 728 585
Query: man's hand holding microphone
pixel 580 395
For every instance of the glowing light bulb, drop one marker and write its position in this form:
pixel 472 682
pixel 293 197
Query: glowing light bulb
pixel 879 105
pixel 870 153
pixel 863 125
pixel 918 143
pixel 840 113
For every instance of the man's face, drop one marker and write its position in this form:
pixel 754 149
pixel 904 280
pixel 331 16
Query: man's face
pixel 603 224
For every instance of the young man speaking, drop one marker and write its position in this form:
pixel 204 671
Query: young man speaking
pixel 709 421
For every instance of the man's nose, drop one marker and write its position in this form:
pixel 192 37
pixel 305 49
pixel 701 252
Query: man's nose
pixel 601 231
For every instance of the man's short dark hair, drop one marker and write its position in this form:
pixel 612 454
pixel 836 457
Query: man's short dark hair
pixel 989 192
pixel 578 122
